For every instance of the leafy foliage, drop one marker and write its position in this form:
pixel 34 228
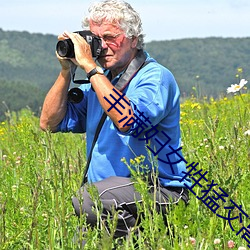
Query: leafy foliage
pixel 28 57
pixel 41 171
pixel 14 95
pixel 209 62
pixel 28 65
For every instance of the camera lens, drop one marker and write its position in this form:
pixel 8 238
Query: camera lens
pixel 65 48
pixel 75 95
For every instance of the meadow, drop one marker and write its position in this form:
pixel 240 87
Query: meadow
pixel 40 172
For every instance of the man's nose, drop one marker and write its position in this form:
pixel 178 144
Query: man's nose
pixel 104 44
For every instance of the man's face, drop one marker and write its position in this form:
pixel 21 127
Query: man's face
pixel 118 50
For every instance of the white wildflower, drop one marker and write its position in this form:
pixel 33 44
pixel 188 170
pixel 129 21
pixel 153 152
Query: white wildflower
pixel 217 241
pixel 22 210
pixel 247 133
pixel 237 87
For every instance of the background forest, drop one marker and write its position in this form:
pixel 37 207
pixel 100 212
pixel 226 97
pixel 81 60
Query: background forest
pixel 202 67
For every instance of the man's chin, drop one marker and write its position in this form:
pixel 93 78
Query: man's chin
pixel 105 63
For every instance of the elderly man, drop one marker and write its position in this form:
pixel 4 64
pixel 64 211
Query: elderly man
pixel 140 98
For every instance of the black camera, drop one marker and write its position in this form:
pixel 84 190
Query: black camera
pixel 65 48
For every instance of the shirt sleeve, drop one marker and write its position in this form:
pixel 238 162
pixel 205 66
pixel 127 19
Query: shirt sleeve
pixel 154 96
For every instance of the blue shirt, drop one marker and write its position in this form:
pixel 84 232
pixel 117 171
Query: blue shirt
pixel 154 97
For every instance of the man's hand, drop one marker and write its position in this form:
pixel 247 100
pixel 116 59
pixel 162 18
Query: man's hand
pixel 83 54
pixel 66 63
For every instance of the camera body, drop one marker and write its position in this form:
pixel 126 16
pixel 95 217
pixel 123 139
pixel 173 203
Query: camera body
pixel 65 48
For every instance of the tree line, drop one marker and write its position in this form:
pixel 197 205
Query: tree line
pixel 202 67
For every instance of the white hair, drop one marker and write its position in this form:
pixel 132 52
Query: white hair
pixel 120 13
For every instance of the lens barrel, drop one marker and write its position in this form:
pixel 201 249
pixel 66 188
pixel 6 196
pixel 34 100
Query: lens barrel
pixel 75 95
pixel 65 48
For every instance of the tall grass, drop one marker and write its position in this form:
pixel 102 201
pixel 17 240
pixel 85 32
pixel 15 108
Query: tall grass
pixel 40 172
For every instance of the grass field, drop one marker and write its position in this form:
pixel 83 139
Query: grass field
pixel 40 172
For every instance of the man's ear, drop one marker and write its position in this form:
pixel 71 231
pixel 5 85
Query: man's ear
pixel 134 42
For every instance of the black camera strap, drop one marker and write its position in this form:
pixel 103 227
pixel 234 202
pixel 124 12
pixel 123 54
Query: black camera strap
pixel 136 64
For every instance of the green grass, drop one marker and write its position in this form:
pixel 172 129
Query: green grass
pixel 40 172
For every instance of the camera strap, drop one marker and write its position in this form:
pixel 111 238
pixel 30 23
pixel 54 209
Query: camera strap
pixel 136 64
